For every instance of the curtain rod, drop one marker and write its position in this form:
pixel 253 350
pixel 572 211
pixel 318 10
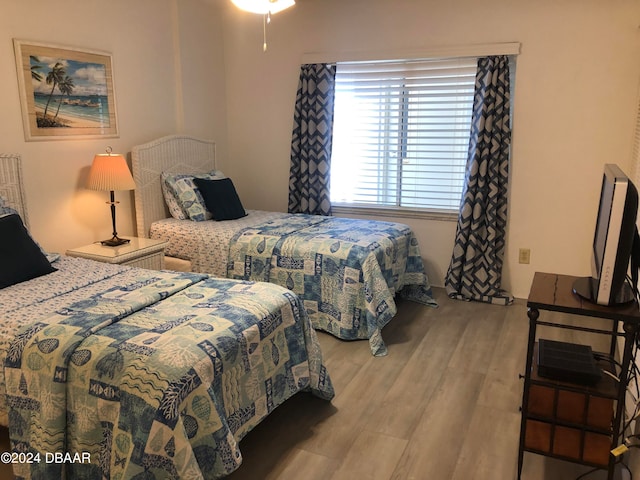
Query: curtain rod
pixel 511 48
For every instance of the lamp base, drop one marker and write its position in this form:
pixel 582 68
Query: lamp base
pixel 115 241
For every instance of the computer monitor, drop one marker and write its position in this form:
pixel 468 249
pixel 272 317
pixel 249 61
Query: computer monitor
pixel 612 241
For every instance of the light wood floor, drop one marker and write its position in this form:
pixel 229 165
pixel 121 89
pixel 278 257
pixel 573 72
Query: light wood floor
pixel 443 405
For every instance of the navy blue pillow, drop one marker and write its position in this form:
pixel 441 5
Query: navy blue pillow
pixel 20 257
pixel 220 198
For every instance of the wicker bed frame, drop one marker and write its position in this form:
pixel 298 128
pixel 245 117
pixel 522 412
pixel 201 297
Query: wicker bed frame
pixel 11 184
pixel 173 153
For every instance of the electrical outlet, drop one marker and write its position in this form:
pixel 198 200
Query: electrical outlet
pixel 524 256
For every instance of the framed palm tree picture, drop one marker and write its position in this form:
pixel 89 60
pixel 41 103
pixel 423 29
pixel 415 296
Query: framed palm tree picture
pixel 65 93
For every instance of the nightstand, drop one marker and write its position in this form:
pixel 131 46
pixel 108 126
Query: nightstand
pixel 139 252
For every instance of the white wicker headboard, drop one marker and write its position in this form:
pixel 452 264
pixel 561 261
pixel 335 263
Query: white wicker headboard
pixel 173 153
pixel 11 184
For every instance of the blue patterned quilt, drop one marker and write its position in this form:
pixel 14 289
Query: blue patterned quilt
pixel 160 378
pixel 347 271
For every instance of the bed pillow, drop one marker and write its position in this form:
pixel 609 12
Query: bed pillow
pixel 20 257
pixel 187 196
pixel 175 209
pixel 5 210
pixel 221 198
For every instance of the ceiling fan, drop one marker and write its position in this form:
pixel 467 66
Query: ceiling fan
pixel 265 8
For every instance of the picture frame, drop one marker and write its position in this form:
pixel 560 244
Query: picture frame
pixel 65 92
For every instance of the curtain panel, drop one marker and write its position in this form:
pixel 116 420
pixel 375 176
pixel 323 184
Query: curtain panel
pixel 311 140
pixel 475 270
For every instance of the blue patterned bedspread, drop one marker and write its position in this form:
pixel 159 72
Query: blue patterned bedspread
pixel 157 379
pixel 347 271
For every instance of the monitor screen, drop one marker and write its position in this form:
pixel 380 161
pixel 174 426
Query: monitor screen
pixel 612 241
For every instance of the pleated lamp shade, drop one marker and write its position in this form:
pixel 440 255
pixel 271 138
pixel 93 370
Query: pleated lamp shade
pixel 110 172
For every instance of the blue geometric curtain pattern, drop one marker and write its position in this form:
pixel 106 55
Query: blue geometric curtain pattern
pixel 475 271
pixel 311 141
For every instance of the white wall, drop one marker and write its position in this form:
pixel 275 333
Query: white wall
pixel 157 47
pixel 574 105
pixel 181 67
pixel 201 70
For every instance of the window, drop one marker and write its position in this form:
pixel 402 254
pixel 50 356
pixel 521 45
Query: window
pixel 401 133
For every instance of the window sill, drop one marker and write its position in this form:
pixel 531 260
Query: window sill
pixel 441 215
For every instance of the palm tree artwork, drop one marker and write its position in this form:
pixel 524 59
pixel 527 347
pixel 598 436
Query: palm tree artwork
pixel 66 88
pixel 79 89
pixel 35 74
pixel 67 92
pixel 54 77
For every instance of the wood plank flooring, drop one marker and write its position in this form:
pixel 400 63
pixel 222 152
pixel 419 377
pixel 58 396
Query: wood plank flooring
pixel 444 404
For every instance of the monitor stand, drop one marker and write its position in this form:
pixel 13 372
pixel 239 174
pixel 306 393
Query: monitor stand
pixel 585 286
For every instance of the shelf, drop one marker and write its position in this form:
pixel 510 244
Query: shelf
pixel 566 443
pixel 606 386
pixel 569 420
pixel 553 292
pixel 566 420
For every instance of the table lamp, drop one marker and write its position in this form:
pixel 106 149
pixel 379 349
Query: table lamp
pixel 110 172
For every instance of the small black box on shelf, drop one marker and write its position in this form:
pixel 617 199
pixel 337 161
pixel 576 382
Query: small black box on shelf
pixel 567 362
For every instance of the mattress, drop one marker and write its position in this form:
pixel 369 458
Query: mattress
pixel 74 280
pixel 205 244
pixel 347 271
pixel 148 373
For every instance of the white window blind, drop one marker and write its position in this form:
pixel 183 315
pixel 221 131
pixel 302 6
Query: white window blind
pixel 401 133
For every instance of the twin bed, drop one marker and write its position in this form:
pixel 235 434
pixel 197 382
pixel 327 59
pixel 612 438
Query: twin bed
pixel 135 372
pixel 346 271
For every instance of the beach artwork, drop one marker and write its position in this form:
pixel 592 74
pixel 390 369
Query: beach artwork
pixel 66 93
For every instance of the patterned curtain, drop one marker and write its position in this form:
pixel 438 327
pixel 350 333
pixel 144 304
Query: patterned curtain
pixel 475 271
pixel 311 141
